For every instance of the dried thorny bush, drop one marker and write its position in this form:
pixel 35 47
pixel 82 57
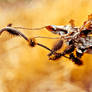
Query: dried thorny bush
pixel 25 69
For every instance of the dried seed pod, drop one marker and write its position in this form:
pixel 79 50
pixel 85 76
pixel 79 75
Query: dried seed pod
pixel 13 32
pixel 32 42
pixel 75 60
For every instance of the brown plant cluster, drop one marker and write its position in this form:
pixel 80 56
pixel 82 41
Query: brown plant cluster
pixel 27 69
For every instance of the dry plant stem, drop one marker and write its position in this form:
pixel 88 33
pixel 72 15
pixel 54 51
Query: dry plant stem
pixel 47 37
pixel 44 47
pixel 29 28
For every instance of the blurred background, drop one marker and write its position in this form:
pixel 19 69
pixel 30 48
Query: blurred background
pixel 27 69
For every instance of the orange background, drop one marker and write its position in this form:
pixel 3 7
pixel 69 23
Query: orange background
pixel 26 69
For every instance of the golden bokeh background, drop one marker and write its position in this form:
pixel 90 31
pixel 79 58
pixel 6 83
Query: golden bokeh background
pixel 27 69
